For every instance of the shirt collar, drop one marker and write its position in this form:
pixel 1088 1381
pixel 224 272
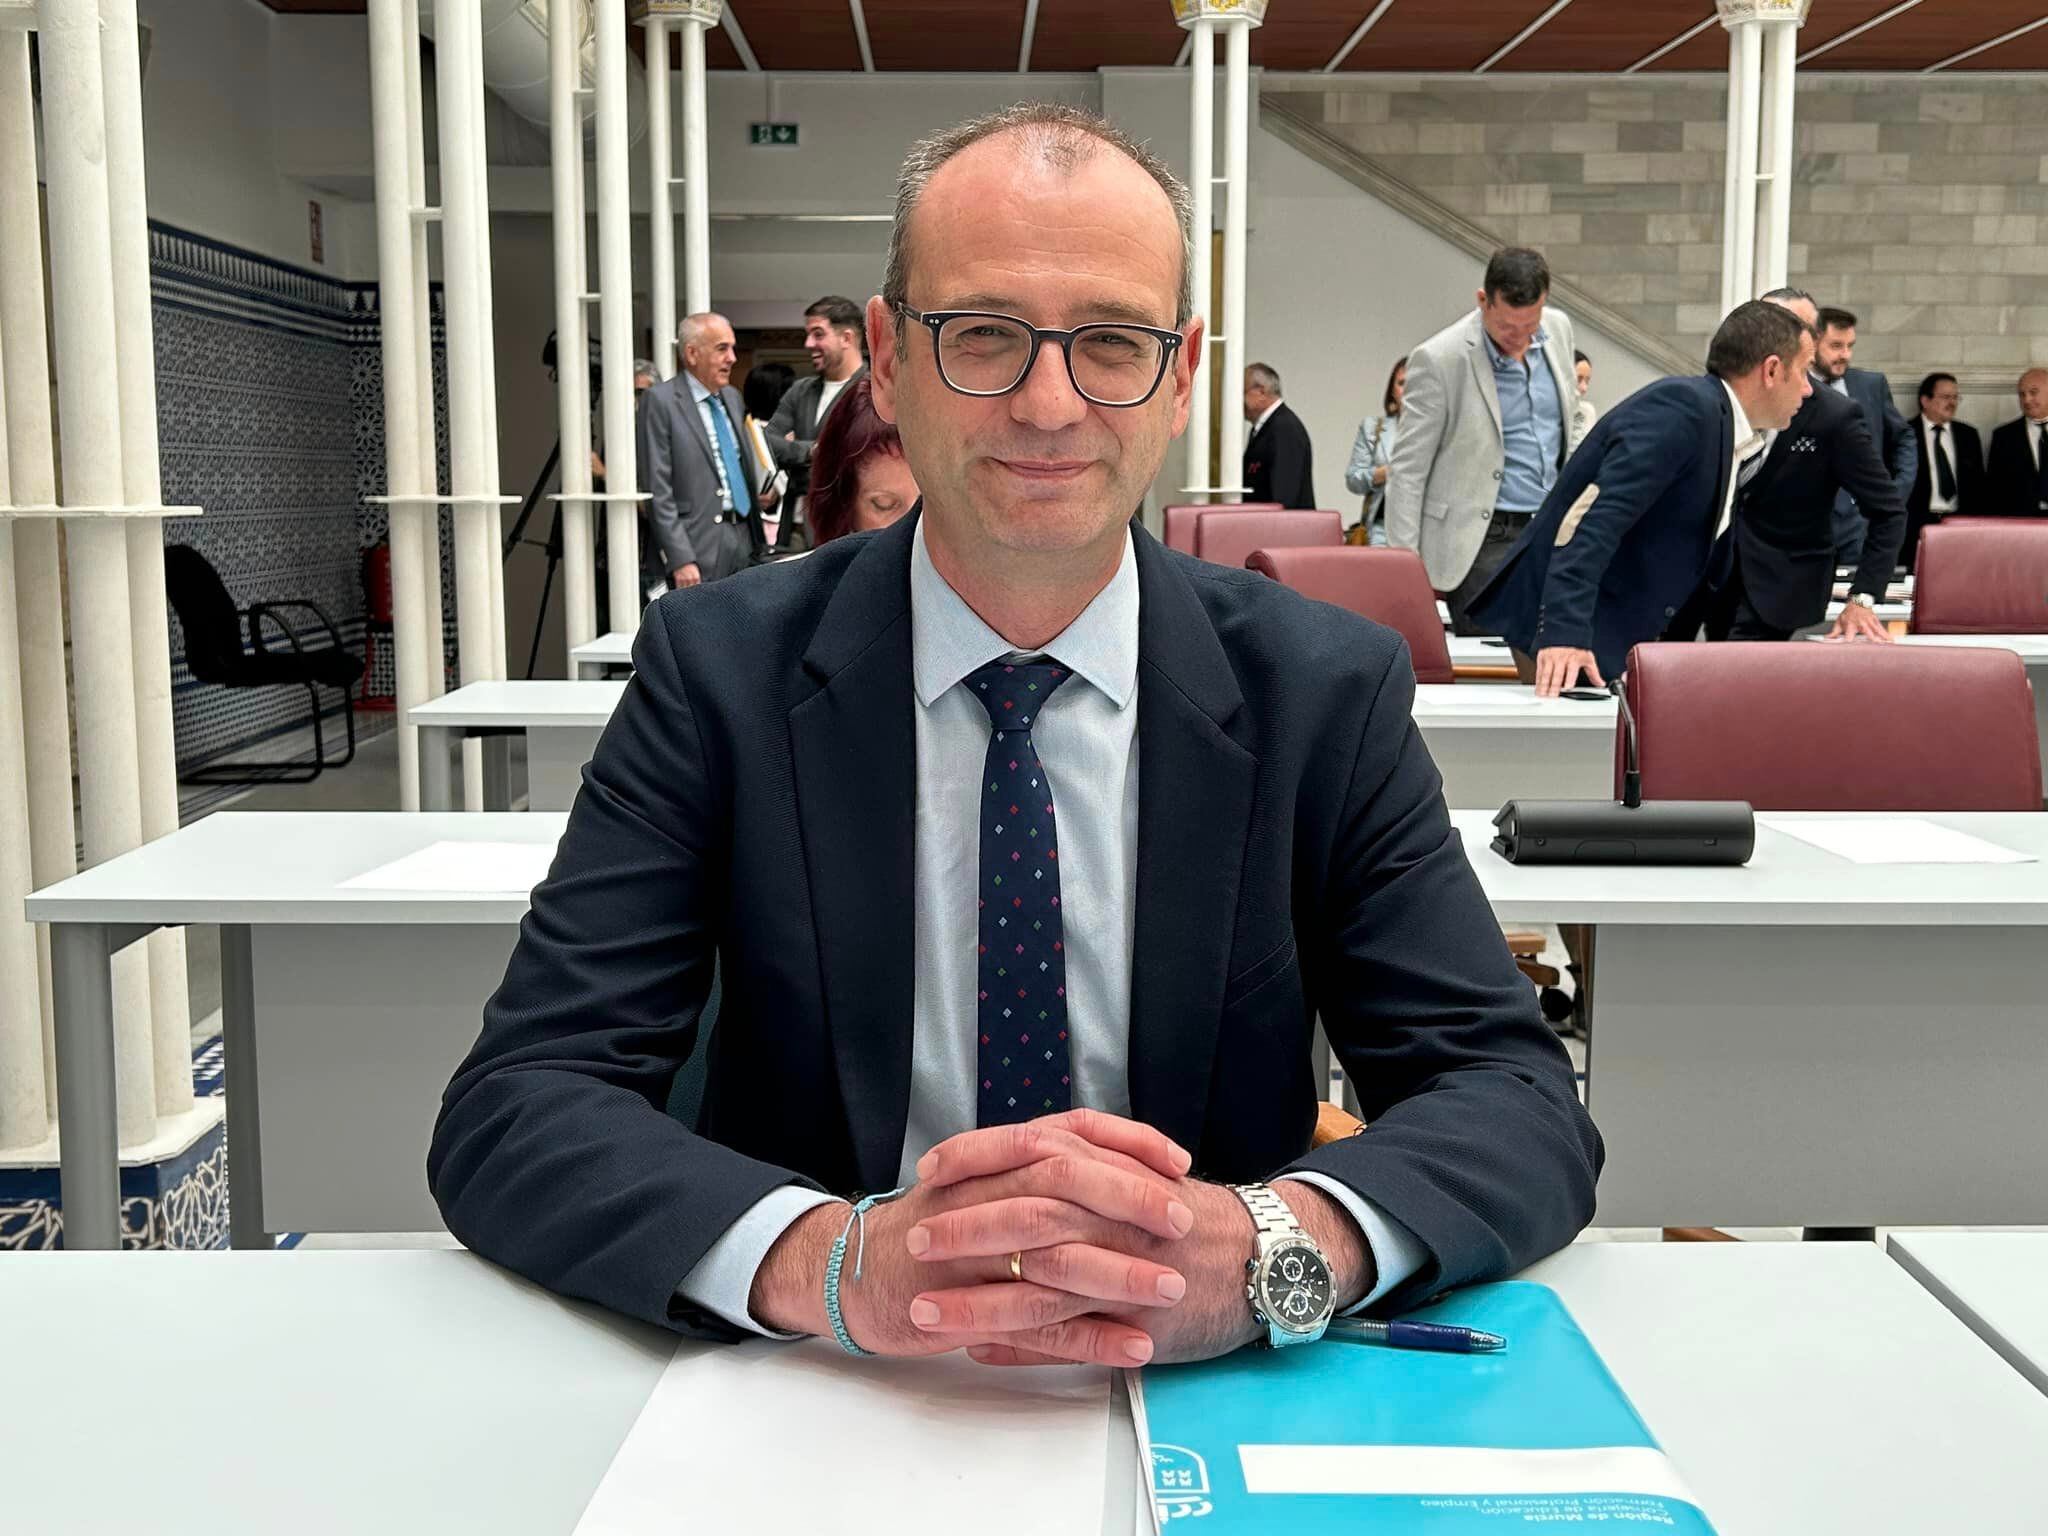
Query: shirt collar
pixel 1746 436
pixel 948 639
pixel 1267 415
pixel 697 391
pixel 1501 359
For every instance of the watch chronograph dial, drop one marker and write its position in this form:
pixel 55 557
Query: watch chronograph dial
pixel 1295 1289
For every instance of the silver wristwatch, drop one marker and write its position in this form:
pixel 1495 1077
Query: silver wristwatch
pixel 1287 1279
pixel 1863 600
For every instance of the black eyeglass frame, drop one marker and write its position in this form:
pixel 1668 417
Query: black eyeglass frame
pixel 934 320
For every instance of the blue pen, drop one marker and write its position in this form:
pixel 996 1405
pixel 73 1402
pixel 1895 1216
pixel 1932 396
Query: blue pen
pixel 1437 1336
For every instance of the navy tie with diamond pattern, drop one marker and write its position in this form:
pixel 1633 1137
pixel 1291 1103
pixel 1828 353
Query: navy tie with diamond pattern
pixel 1025 1068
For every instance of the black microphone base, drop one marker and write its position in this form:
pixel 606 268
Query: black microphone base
pixel 1608 832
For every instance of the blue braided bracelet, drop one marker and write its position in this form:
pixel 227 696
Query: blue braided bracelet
pixel 858 1217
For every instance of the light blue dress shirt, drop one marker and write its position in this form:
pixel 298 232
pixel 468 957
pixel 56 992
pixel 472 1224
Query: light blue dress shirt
pixel 1087 737
pixel 1531 425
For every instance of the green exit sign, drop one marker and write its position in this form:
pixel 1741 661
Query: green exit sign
pixel 782 135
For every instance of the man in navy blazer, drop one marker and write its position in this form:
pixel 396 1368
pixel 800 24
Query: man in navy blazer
pixel 1624 538
pixel 1872 392
pixel 817 779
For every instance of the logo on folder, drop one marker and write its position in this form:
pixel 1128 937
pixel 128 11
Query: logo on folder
pixel 1180 1482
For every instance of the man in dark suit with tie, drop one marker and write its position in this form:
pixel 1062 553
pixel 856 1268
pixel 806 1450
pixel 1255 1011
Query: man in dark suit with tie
pixel 1071 1035
pixel 1772 569
pixel 1279 465
pixel 1624 537
pixel 700 492
pixel 2018 473
pixel 1888 429
pixel 1950 478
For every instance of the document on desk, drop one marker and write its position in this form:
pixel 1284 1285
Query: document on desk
pixel 1900 840
pixel 1340 1438
pixel 459 866
pixel 765 1436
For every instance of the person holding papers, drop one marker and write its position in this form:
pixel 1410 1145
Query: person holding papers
pixel 1029 854
pixel 1625 537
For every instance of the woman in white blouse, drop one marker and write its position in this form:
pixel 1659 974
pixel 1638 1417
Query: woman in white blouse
pixel 1371 452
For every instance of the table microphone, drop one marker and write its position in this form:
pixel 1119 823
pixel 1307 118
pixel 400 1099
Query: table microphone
pixel 1626 831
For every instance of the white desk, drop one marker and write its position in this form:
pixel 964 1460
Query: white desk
pixel 365 1000
pixel 562 721
pixel 1805 1041
pixel 595 658
pixel 462 1399
pixel 1499 742
pixel 1477 657
pixel 1996 1282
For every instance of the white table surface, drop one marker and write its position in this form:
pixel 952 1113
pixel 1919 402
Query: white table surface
pixel 1799 1388
pixel 1478 651
pixel 2031 649
pixel 614 649
pixel 1996 1282
pixel 1456 706
pixel 523 702
pixel 290 867
pixel 1786 882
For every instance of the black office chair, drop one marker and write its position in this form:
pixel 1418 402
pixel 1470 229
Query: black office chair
pixel 214 653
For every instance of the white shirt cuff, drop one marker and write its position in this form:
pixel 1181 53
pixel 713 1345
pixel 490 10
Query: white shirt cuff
pixel 724 1278
pixel 1396 1252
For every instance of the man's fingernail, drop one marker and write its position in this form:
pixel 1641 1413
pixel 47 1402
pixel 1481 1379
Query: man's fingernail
pixel 1184 1158
pixel 1180 1218
pixel 927 1165
pixel 1172 1287
pixel 924 1313
pixel 918 1241
pixel 1138 1350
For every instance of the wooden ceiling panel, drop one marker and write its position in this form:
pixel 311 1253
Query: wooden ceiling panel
pixel 2029 52
pixel 1440 34
pixel 1607 34
pixel 1927 34
pixel 1086 34
pixel 800 34
pixel 1305 34
pixel 944 34
pixel 319 7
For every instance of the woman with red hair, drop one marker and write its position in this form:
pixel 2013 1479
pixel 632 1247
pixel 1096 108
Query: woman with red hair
pixel 859 477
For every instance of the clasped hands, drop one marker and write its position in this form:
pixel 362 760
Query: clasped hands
pixel 1122 1259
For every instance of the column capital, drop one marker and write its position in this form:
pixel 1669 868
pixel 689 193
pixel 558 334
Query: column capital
pixel 1738 13
pixel 1250 12
pixel 705 12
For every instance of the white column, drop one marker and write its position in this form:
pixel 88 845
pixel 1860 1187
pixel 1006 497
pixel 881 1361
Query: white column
pixel 1236 217
pixel 1744 91
pixel 24 1103
pixel 458 69
pixel 701 15
pixel 38 586
pixel 661 215
pixel 572 333
pixel 615 319
pixel 1774 231
pixel 427 532
pixel 389 110
pixel 1202 186
pixel 493 516
pixel 89 413
pixel 142 480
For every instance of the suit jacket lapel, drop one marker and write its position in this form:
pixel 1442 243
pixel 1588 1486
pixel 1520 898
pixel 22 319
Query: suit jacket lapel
pixel 854 747
pixel 686 407
pixel 1482 375
pixel 1726 459
pixel 1194 816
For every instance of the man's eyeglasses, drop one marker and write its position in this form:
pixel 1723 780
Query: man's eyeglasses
pixel 988 355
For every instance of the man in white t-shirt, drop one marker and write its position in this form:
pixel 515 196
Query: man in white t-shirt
pixel 832 336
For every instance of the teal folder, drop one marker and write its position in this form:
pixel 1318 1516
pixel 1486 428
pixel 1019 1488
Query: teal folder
pixel 1348 1437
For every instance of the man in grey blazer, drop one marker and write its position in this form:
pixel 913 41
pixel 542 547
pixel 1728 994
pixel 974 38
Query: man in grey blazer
pixel 832 336
pixel 1485 430
pixel 701 490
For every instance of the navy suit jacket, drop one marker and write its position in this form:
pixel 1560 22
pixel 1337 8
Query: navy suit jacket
pixel 1897 441
pixel 754 798
pixel 1624 536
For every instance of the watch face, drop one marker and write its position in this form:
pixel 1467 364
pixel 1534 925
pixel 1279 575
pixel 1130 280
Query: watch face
pixel 1294 1288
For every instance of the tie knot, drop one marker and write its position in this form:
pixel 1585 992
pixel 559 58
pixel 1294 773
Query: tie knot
pixel 1014 691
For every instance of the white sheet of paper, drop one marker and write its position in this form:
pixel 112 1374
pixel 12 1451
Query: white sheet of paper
pixel 1906 840
pixel 799 1437
pixel 485 867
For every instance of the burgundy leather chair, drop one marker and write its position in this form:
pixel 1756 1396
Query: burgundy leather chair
pixel 1778 725
pixel 1229 537
pixel 1388 586
pixel 1982 576
pixel 1180 521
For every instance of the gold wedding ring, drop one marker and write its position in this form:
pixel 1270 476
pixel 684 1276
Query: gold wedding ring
pixel 1017 1266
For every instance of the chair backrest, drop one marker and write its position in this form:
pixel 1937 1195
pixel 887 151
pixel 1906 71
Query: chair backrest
pixel 1388 586
pixel 1982 576
pixel 1796 726
pixel 1228 538
pixel 1180 521
pixel 213 634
